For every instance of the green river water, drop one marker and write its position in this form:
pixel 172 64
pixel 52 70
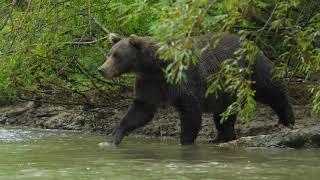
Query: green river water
pixel 47 154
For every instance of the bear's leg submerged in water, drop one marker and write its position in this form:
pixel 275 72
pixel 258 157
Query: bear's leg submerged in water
pixel 139 114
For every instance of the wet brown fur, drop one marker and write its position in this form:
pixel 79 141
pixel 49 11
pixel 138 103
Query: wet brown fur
pixel 139 55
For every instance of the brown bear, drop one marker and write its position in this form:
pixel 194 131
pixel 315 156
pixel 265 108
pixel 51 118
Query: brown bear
pixel 139 56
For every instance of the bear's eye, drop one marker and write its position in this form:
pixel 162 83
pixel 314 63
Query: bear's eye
pixel 115 55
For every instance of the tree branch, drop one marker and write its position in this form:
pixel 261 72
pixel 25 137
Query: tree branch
pixel 86 42
pixel 100 25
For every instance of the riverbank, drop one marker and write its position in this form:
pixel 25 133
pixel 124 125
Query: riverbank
pixel 165 124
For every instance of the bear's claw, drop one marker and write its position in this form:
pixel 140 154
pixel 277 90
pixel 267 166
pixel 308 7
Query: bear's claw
pixel 117 136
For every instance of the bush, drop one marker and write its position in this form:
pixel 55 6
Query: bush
pixel 53 47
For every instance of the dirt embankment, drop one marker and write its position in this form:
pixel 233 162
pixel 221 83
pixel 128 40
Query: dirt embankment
pixel 166 122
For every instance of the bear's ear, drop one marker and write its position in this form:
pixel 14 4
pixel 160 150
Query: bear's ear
pixel 114 38
pixel 134 40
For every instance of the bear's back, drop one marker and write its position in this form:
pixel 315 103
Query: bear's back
pixel 216 51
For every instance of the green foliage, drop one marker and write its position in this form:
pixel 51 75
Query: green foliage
pixel 42 49
pixel 286 31
pixel 233 79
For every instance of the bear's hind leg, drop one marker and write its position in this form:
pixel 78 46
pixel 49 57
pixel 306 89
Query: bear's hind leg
pixel 285 113
pixel 276 97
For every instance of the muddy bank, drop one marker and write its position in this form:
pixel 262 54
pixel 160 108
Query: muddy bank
pixel 165 123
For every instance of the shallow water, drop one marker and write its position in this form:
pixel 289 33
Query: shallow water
pixel 44 154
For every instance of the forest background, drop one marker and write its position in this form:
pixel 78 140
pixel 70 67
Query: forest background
pixel 50 50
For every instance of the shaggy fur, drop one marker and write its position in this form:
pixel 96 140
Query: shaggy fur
pixel 138 55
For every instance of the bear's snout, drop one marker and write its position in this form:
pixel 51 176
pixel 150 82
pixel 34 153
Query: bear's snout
pixel 100 69
pixel 108 69
pixel 104 73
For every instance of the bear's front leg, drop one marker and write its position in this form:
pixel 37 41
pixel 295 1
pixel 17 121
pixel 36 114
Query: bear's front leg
pixel 190 120
pixel 139 114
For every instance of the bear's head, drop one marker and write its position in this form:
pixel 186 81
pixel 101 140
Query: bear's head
pixel 122 57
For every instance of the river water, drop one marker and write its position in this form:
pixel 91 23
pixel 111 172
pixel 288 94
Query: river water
pixel 47 154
